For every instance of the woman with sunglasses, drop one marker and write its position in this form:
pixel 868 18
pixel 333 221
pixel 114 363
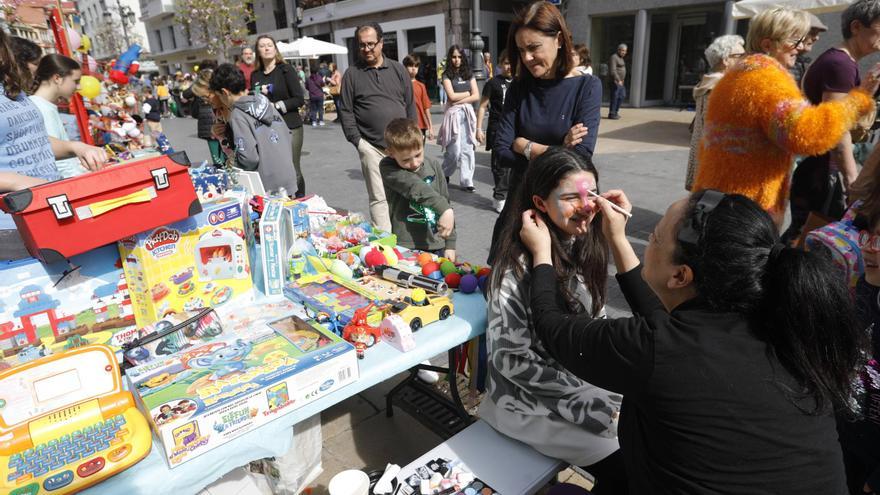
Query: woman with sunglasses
pixel 758 120
pixel 737 355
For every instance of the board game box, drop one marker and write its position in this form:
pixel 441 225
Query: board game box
pixel 207 395
pixel 48 308
pixel 332 295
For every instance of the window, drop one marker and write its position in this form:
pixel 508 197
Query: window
pixel 280 12
pixel 158 35
pixel 173 38
pixel 252 25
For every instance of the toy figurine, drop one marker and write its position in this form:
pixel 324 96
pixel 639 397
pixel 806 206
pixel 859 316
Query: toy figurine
pixel 359 325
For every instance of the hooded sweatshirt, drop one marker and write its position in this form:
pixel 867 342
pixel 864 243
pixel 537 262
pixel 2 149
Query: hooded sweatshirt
pixel 262 142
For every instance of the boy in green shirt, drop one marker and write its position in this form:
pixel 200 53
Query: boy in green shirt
pixel 418 201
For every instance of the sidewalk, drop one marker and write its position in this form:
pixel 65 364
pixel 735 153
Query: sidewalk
pixel 644 153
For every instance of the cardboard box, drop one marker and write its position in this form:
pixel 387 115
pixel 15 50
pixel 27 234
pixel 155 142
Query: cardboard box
pixel 44 311
pixel 276 238
pixel 210 394
pixel 64 218
pixel 199 262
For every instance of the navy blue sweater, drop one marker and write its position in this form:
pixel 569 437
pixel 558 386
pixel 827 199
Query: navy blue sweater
pixel 543 111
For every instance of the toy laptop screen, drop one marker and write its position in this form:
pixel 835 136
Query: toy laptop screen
pixel 334 295
pixel 30 392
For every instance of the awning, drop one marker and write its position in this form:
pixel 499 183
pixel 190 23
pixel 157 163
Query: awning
pixel 745 9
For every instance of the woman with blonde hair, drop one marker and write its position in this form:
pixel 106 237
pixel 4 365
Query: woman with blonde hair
pixel 758 120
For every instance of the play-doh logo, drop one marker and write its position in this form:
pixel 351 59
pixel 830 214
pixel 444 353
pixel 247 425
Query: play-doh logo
pixel 162 242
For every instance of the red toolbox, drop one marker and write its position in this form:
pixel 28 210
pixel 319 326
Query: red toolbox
pixel 64 218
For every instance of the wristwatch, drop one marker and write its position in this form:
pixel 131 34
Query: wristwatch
pixel 528 151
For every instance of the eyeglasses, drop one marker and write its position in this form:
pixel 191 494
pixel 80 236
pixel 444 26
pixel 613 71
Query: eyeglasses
pixel 369 46
pixel 692 232
pixel 868 240
pixel 795 43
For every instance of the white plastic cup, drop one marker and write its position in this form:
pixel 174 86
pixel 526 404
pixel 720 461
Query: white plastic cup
pixel 351 482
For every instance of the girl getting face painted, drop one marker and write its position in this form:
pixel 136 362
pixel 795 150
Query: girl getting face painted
pixel 569 206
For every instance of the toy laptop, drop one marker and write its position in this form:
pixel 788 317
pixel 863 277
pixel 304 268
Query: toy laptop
pixel 202 261
pixel 67 217
pixel 207 395
pixel 66 423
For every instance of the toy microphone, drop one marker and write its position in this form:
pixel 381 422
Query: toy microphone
pixel 405 279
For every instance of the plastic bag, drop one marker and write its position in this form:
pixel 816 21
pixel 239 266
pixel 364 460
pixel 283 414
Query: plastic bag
pixel 293 472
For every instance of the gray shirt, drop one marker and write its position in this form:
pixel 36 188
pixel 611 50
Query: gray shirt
pixel 372 97
pixel 617 68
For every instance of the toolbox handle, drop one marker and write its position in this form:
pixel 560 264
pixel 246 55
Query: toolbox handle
pixel 100 207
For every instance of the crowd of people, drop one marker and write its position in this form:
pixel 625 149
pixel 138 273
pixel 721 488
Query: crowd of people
pixel 748 365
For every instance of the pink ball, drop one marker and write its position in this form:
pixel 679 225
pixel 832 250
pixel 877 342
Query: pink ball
pixel 468 284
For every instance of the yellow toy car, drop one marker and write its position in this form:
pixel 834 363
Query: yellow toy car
pixel 422 309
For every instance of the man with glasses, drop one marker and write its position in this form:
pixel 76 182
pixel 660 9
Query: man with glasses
pixel 820 183
pixel 374 92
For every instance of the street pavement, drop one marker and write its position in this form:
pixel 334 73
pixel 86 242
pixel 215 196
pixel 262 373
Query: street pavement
pixel 644 153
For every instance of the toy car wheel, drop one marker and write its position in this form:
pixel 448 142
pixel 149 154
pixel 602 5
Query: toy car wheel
pixel 415 324
pixel 372 341
pixel 444 312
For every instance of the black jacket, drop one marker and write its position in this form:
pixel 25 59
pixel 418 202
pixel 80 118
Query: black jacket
pixel 286 87
pixel 203 112
pixel 703 405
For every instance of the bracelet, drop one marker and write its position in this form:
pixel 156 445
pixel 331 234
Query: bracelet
pixel 528 151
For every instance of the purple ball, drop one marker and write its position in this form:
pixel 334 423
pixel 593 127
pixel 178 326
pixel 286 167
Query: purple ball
pixel 438 275
pixel 483 280
pixel 468 284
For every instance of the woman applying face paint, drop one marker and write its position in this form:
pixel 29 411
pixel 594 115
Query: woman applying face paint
pixel 530 397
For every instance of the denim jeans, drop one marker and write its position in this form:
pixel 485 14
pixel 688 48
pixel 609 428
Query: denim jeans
pixel 617 94
pixel 316 110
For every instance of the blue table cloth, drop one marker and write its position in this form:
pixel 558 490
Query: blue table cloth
pixel 152 475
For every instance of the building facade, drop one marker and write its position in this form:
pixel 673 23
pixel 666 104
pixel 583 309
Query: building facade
pixel 102 21
pixel 171 48
pixel 666 40
pixel 424 27
pixel 29 19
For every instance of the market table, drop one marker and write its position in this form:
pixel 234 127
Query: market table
pixel 152 475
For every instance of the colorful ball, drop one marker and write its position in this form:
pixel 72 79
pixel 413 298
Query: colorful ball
pixel 484 271
pixel 424 258
pixel 418 295
pixel 482 281
pixel 468 284
pixel 447 267
pixel 452 280
pixel 429 268
pixel 390 256
pixel 438 275
pixel 373 258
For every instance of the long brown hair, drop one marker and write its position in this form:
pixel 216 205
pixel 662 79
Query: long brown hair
pixel 545 18
pixel 10 72
pixel 278 58
pixel 586 257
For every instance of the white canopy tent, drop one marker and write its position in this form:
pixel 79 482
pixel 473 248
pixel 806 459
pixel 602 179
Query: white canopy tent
pixel 307 47
pixel 745 9
pixel 430 48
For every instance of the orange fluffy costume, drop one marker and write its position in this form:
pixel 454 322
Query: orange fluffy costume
pixel 757 121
